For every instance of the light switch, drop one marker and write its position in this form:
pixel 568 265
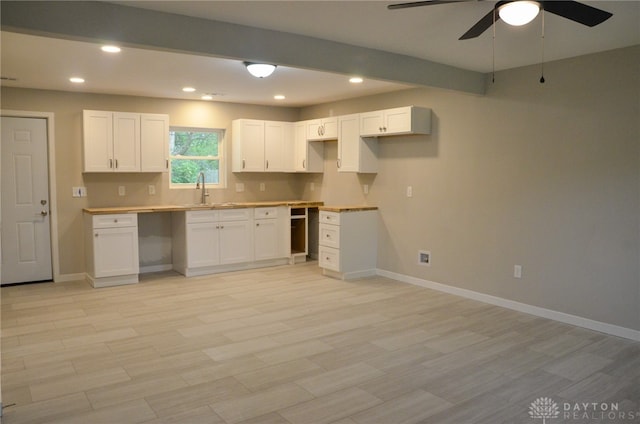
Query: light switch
pixel 121 191
pixel 409 191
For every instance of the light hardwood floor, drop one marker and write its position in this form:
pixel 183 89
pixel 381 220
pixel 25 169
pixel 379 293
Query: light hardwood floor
pixel 287 345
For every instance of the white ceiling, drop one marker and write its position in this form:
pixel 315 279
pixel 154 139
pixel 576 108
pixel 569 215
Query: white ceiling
pixel 429 33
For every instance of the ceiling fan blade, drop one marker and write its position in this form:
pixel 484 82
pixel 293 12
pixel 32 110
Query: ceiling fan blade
pixel 578 12
pixel 421 3
pixel 481 26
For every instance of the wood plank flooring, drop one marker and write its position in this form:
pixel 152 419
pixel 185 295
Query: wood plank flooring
pixel 287 345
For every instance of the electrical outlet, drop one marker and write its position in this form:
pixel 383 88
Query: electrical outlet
pixel 517 271
pixel 365 188
pixel 409 191
pixel 152 190
pixel 262 187
pixel 424 257
pixel 239 187
pixel 312 186
pixel 77 192
pixel 121 191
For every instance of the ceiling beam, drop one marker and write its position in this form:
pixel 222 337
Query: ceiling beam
pixel 135 27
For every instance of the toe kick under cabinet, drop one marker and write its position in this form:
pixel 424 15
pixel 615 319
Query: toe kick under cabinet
pixel 348 242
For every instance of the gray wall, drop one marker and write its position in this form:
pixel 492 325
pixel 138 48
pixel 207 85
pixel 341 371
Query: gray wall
pixel 542 175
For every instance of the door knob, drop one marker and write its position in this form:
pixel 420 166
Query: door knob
pixel 44 213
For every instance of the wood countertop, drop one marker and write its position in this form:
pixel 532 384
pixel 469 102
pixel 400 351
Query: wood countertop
pixel 347 208
pixel 182 208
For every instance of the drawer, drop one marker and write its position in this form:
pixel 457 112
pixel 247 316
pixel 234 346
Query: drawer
pixel 202 216
pixel 329 235
pixel 234 214
pixel 115 220
pixel 329 258
pixel 265 213
pixel 327 217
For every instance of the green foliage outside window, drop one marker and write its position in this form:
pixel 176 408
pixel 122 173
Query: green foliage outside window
pixel 195 151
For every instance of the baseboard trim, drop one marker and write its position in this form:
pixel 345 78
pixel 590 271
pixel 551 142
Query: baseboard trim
pixel 64 278
pixel 599 326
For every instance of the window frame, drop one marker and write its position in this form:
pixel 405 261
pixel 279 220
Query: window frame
pixel 221 158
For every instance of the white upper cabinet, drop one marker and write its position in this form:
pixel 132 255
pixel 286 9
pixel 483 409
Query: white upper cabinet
pixel 124 142
pixel 154 142
pixel 309 155
pixel 322 129
pixel 278 146
pixel 247 145
pixel 355 154
pixel 397 121
pixel 262 146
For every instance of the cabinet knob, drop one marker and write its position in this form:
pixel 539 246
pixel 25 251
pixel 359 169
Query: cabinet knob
pixel 95 235
pixel 115 220
pixel 257 224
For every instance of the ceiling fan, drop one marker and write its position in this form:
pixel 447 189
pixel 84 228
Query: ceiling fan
pixel 572 10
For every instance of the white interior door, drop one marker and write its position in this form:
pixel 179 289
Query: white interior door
pixel 26 235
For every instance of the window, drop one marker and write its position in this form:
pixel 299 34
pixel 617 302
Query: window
pixel 196 150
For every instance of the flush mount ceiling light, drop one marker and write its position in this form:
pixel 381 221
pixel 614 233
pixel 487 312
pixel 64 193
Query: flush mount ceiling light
pixel 260 70
pixel 519 13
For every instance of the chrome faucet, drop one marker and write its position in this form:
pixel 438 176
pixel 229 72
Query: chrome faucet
pixel 204 191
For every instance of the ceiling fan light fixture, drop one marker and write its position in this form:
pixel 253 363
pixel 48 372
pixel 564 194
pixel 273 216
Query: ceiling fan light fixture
pixel 260 70
pixel 519 13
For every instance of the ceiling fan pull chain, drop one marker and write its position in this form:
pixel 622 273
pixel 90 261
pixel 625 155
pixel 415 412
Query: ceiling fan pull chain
pixel 542 64
pixel 493 46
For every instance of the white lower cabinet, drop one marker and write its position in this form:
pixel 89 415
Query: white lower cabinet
pixel 111 243
pixel 348 243
pixel 209 241
pixel 235 242
pixel 266 234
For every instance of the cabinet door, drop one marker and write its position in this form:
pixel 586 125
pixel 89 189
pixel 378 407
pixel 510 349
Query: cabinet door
pixel 265 239
pixel 154 142
pixel 314 130
pixel 300 147
pixel 235 242
pixel 277 140
pixel 322 129
pixel 397 121
pixel 115 251
pixel 330 128
pixel 202 244
pixel 309 155
pixel 371 123
pixel 248 145
pixel 355 154
pixel 97 132
pixel 126 142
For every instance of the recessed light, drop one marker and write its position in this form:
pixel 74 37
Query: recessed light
pixel 111 49
pixel 188 89
pixel 279 97
pixel 207 97
pixel 76 80
pixel 355 80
